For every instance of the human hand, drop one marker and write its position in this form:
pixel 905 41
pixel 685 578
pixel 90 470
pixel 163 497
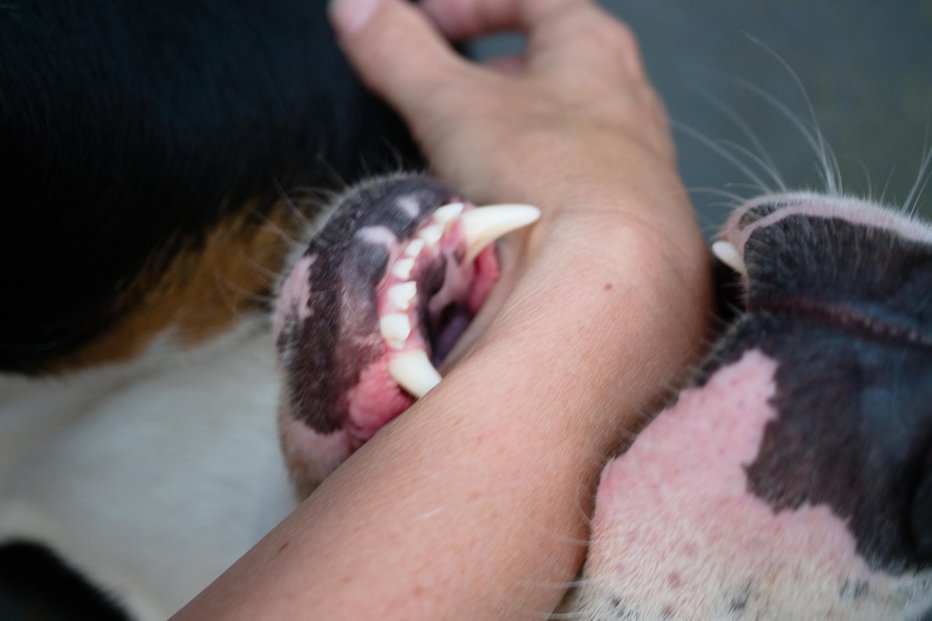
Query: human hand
pixel 580 87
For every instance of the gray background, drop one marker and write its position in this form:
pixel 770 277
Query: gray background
pixel 866 65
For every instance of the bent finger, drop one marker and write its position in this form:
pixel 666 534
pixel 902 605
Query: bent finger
pixel 562 34
pixel 468 19
pixel 397 52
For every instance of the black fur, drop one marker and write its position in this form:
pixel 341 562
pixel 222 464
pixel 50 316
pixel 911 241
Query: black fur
pixel 127 128
pixel 35 585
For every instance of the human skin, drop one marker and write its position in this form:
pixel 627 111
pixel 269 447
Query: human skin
pixel 473 503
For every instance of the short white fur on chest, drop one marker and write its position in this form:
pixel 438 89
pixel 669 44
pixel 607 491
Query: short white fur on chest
pixel 150 477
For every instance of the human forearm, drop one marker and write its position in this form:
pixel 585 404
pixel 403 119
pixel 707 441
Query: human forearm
pixel 475 498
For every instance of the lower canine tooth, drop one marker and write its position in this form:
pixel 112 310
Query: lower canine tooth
pixel 413 371
pixel 728 254
pixel 484 225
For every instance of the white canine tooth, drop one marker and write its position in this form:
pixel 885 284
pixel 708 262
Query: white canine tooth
pixel 402 294
pixel 728 254
pixel 446 214
pixel 431 233
pixel 403 268
pixel 414 247
pixel 414 372
pixel 484 225
pixel 395 328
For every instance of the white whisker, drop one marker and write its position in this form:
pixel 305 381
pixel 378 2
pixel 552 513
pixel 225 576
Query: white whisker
pixel 911 205
pixel 725 154
pixel 757 160
pixel 812 135
pixel 826 156
pixel 764 157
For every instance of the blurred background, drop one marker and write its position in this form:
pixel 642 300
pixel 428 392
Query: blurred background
pixel 866 66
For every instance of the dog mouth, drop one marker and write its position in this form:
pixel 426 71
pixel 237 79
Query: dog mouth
pixel 385 292
pixel 434 285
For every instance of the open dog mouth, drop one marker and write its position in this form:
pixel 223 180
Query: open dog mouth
pixel 374 306
pixel 434 285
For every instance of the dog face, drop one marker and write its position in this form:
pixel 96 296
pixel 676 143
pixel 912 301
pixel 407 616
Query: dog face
pixel 791 481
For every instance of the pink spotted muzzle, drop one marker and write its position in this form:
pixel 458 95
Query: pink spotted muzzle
pixel 373 307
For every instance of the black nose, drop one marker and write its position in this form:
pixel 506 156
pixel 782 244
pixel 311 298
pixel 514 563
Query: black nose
pixel 920 514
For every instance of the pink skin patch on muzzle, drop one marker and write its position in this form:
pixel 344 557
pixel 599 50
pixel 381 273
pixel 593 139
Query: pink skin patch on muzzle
pixel 432 286
pixel 677 535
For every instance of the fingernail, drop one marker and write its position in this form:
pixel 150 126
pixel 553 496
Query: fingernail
pixel 350 16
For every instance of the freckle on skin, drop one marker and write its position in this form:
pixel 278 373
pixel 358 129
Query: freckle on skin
pixel 607 286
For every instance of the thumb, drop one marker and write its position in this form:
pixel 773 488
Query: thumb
pixel 397 52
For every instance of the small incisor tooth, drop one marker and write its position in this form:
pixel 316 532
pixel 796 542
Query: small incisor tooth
pixel 414 247
pixel 431 234
pixel 402 294
pixel 444 215
pixel 728 254
pixel 395 328
pixel 484 225
pixel 403 268
pixel 413 371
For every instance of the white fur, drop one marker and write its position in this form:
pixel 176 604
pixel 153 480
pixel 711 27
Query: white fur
pixel 151 477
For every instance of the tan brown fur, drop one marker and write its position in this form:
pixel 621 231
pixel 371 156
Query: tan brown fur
pixel 201 292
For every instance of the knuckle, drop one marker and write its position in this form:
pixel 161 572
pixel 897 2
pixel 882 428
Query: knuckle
pixel 620 38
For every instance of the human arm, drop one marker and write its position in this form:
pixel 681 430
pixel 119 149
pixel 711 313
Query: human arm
pixel 472 504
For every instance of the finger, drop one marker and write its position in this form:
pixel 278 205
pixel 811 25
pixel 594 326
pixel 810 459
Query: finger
pixel 397 52
pixel 467 19
pixel 563 34
pixel 508 65
pixel 584 35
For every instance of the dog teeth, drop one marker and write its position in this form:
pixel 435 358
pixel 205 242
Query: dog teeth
pixel 446 214
pixel 395 328
pixel 484 225
pixel 402 294
pixel 402 268
pixel 413 371
pixel 431 234
pixel 414 247
pixel 728 254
